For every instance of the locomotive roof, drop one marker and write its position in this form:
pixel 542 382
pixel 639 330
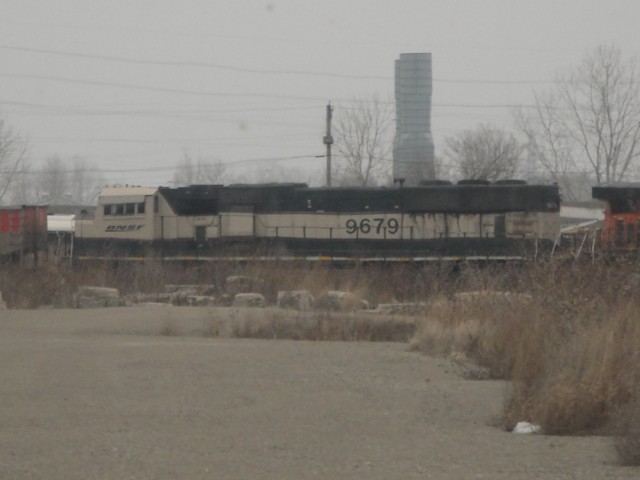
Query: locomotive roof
pixel 193 200
pixel 616 191
pixel 298 197
pixel 126 191
pixel 434 198
pixel 286 185
pixel 124 194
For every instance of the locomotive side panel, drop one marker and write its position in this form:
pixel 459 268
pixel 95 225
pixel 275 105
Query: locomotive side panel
pixel 368 226
pixel 463 226
pixel 532 225
pixel 238 224
pixel 198 228
pixel 297 225
pixel 548 225
pixel 279 225
pixel 384 225
pixel 322 225
pixel 521 224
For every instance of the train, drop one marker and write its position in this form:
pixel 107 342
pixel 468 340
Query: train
pixel 23 231
pixel 434 221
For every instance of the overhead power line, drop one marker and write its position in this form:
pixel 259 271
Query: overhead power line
pixel 131 86
pixel 65 109
pixel 174 63
pixel 137 111
pixel 160 169
pixel 231 68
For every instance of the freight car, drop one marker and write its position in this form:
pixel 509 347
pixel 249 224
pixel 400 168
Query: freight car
pixel 23 230
pixel 439 221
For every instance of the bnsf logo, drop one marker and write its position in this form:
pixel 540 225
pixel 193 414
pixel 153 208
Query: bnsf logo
pixel 123 228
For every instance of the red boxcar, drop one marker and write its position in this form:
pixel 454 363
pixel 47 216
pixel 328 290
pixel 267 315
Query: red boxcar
pixel 22 230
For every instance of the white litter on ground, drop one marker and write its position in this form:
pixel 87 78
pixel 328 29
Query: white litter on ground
pixel 525 427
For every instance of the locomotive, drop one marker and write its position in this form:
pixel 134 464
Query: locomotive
pixel 620 230
pixel 470 220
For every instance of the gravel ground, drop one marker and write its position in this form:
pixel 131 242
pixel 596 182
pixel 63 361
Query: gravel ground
pixel 102 394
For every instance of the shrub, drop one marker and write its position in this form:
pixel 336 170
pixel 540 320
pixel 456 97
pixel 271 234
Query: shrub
pixel 571 351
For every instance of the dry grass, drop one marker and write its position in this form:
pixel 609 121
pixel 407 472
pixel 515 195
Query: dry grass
pixel 577 363
pixel 323 326
pixel 46 285
pixel 169 328
pixel 275 324
pixel 211 326
pixel 627 442
pixel 482 325
pixel 574 383
pixel 54 284
pixel 571 349
pixel 375 283
pixel 569 342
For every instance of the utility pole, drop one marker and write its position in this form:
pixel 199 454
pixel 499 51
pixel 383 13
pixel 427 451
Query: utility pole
pixel 328 141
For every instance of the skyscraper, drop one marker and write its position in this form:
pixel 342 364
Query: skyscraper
pixel 413 149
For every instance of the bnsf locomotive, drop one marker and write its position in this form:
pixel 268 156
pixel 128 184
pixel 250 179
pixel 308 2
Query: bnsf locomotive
pixel 468 220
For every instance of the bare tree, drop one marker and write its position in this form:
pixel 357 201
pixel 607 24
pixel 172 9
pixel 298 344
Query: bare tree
pixel 23 189
pixel 85 181
pixel 53 181
pixel 363 142
pixel 443 169
pixel 190 172
pixel 484 153
pixel 278 174
pixel 589 122
pixel 13 157
pixel 63 181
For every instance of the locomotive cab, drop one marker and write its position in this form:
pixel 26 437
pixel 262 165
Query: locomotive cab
pixel 621 227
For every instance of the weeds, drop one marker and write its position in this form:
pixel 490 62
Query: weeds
pixel 211 327
pixel 567 336
pixel 323 326
pixel 169 328
pixel 627 442
pixel 569 342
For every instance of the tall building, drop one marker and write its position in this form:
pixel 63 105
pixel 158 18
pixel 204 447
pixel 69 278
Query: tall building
pixel 413 149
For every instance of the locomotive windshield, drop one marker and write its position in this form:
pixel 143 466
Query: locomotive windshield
pixel 622 205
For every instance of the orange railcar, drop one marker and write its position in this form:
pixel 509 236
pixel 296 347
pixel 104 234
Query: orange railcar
pixel 621 226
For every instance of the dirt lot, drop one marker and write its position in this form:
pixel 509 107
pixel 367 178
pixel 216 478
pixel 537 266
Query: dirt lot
pixel 102 394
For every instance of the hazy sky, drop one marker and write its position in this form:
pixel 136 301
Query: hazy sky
pixel 130 85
